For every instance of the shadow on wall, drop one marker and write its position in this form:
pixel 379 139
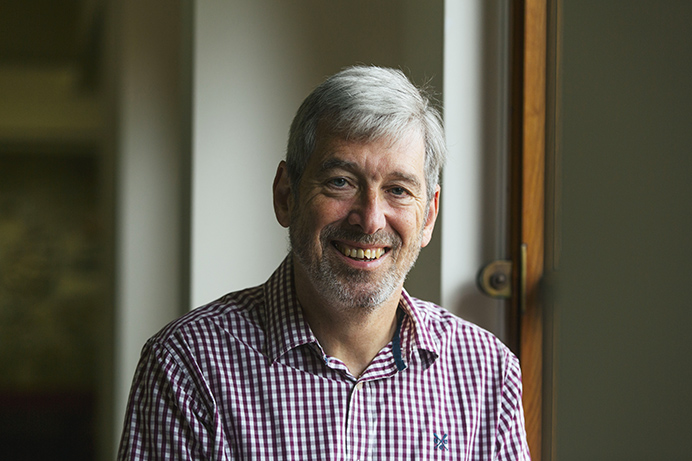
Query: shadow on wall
pixel 478 308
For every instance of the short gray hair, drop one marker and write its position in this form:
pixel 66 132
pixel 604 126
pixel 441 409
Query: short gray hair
pixel 367 103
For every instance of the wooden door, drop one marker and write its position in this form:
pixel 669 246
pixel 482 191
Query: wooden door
pixel 527 190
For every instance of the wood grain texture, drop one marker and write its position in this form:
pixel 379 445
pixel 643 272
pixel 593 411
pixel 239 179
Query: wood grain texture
pixel 533 215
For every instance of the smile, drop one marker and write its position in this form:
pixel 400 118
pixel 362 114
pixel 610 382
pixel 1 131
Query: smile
pixel 369 254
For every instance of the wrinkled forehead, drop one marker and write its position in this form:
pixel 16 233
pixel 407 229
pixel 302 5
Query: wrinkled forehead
pixel 403 156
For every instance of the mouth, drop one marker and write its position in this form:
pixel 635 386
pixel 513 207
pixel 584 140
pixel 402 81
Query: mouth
pixel 360 254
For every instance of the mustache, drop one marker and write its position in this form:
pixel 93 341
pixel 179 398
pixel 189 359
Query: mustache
pixel 379 238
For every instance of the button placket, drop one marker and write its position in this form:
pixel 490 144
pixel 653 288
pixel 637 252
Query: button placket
pixel 358 441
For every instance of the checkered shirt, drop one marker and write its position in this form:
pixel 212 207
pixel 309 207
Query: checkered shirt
pixel 245 378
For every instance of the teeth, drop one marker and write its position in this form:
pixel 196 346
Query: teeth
pixel 359 253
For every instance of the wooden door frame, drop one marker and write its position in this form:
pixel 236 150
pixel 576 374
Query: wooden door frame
pixel 527 210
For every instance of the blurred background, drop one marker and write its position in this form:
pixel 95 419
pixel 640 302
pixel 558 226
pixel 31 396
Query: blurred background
pixel 56 236
pixel 139 139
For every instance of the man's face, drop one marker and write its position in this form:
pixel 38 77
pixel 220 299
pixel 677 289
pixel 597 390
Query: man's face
pixel 362 217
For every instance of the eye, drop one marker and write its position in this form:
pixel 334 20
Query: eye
pixel 338 182
pixel 398 191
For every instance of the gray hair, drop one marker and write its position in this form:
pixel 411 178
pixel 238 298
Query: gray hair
pixel 367 103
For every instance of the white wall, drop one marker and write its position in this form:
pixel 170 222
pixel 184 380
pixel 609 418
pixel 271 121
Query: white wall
pixel 475 180
pixel 248 75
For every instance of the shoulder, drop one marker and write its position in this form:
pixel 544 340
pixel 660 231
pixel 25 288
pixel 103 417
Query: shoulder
pixel 237 315
pixel 457 338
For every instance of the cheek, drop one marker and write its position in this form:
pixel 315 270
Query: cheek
pixel 408 226
pixel 328 212
pixel 321 214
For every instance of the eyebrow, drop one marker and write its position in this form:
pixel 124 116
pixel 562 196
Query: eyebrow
pixel 335 163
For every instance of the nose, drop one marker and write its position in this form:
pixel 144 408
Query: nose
pixel 368 212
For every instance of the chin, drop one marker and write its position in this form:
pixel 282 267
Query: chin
pixel 349 295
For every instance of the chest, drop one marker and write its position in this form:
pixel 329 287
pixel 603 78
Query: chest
pixel 313 412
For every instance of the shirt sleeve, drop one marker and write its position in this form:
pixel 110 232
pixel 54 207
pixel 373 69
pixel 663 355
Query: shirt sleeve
pixel 166 416
pixel 511 442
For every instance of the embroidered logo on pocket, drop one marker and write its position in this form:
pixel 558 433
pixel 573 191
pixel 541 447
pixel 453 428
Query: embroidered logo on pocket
pixel 441 442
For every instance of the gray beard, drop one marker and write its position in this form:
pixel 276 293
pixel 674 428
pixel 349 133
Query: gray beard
pixel 344 286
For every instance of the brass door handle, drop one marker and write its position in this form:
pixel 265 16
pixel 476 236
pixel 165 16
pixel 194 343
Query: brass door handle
pixel 495 279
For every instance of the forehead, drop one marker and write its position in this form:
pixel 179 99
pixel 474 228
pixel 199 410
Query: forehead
pixel 405 154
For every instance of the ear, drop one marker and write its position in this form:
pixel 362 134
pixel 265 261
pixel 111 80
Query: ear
pixel 283 196
pixel 431 218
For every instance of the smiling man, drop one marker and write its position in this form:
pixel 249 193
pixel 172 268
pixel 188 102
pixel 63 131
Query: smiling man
pixel 331 358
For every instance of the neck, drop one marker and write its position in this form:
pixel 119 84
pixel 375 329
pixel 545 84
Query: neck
pixel 352 334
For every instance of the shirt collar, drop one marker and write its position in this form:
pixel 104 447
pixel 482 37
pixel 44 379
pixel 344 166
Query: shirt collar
pixel 416 334
pixel 286 328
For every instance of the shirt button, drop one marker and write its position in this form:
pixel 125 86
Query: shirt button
pixel 359 386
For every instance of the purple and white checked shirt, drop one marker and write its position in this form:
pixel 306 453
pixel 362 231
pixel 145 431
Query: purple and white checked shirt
pixel 245 378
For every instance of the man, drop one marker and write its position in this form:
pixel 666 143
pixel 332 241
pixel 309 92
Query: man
pixel 331 358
